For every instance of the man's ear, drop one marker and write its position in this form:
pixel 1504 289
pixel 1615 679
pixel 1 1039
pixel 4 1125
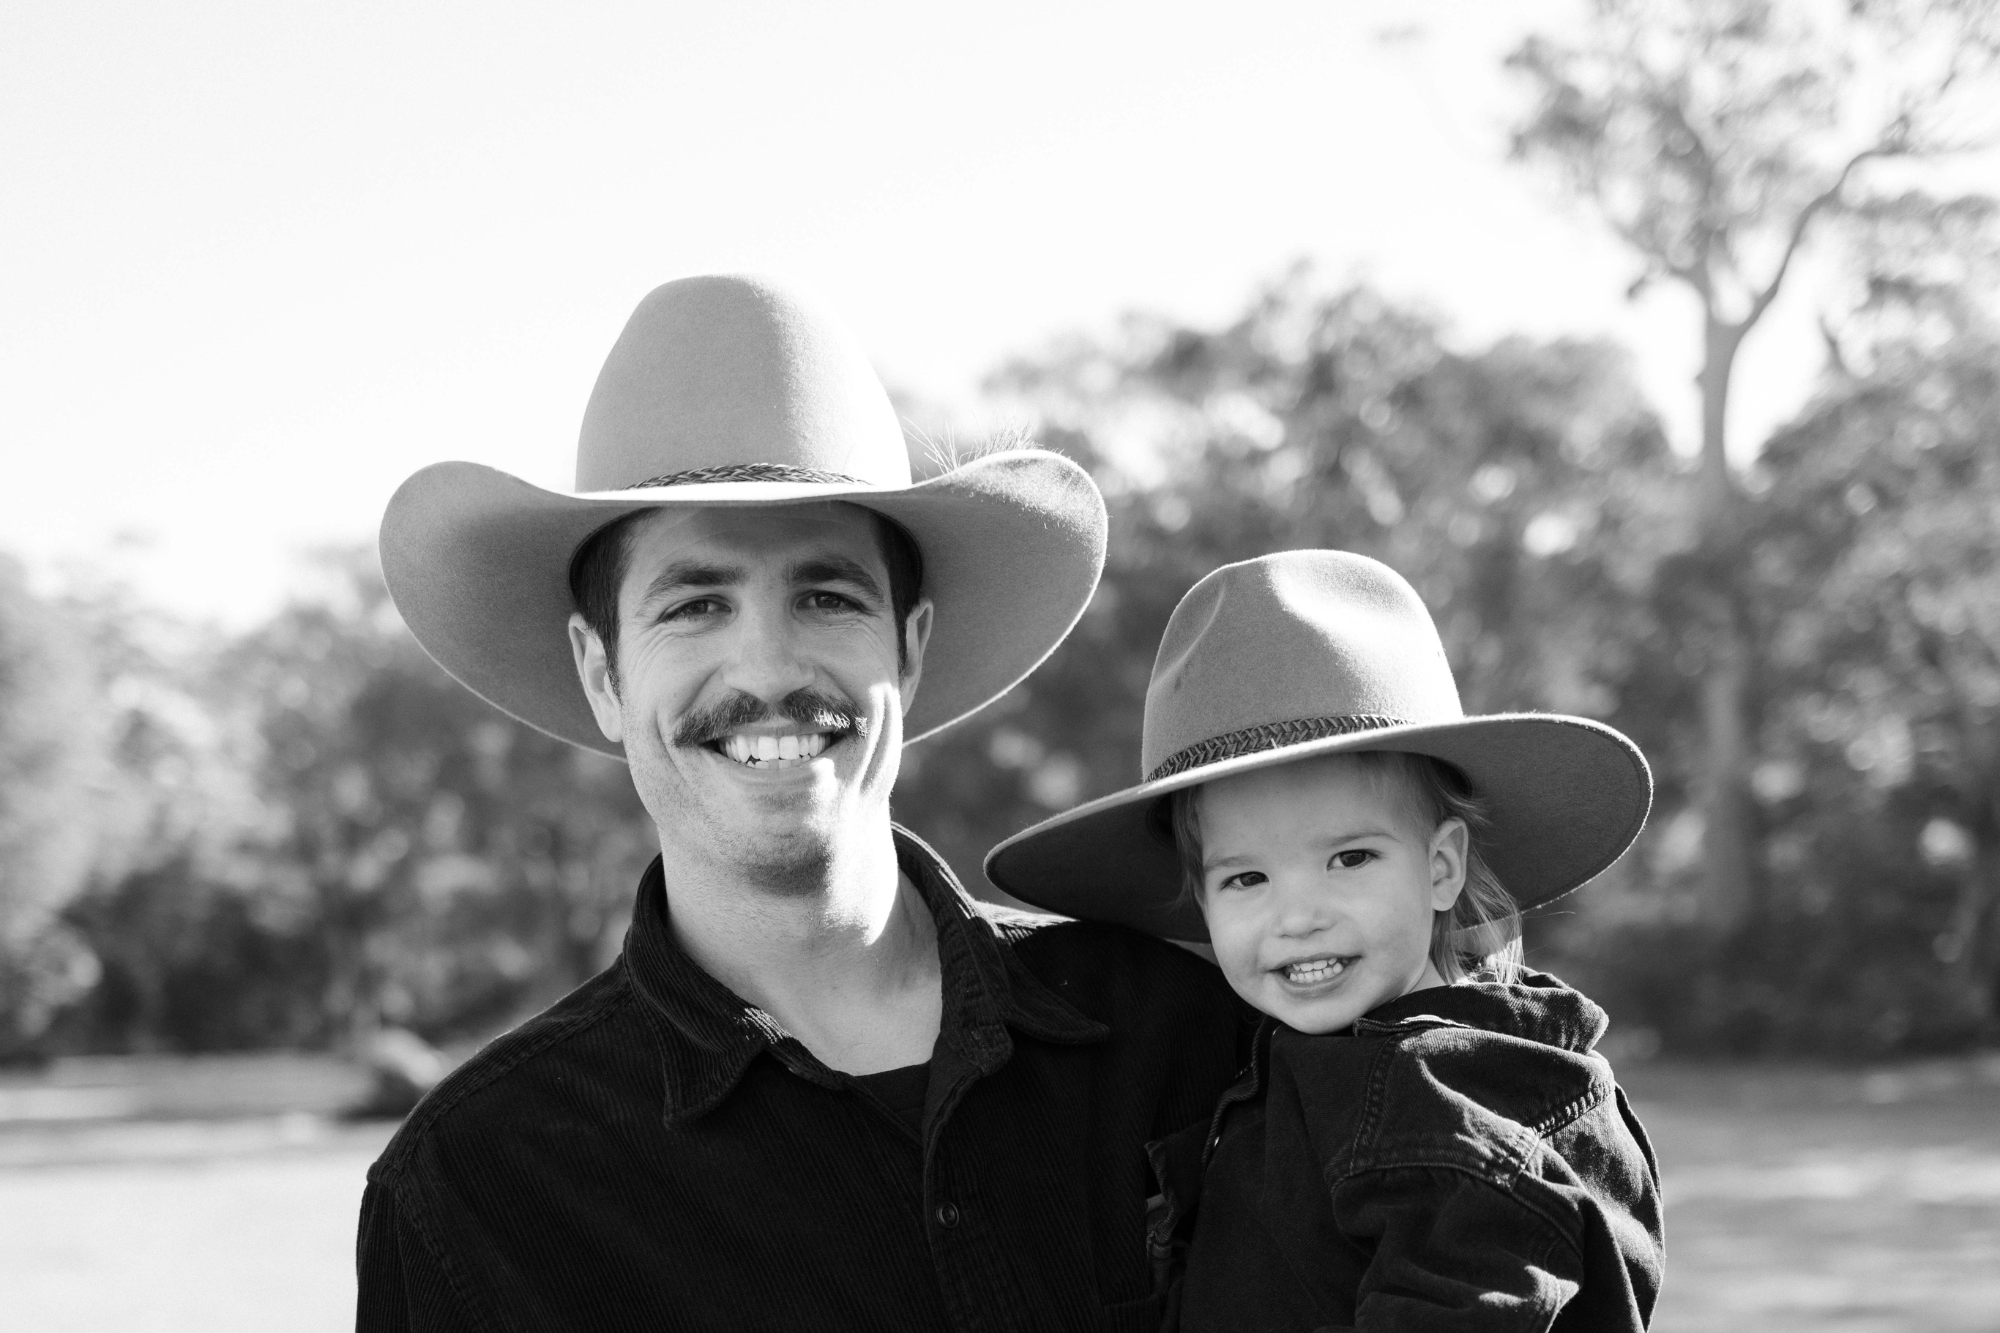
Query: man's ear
pixel 1448 852
pixel 593 669
pixel 916 636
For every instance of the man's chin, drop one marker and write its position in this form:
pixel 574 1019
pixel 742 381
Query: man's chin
pixel 792 861
pixel 782 826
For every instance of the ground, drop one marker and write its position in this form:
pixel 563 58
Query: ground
pixel 157 1197
pixel 1859 1201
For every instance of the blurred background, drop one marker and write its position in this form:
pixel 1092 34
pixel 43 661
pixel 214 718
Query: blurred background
pixel 1655 341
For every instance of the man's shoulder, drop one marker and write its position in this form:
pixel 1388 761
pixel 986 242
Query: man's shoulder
pixel 511 1068
pixel 1044 934
pixel 1096 958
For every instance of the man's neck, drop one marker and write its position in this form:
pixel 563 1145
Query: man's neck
pixel 847 963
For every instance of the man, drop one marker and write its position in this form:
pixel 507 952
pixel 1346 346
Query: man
pixel 821 1087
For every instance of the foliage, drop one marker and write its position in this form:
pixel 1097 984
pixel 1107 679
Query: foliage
pixel 308 832
pixel 1525 490
pixel 1716 138
pixel 459 866
pixel 409 857
pixel 1711 135
pixel 51 755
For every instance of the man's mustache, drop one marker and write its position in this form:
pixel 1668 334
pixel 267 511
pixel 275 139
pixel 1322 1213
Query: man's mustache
pixel 812 709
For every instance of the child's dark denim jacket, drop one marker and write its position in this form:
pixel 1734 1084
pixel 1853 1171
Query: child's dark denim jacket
pixel 1459 1159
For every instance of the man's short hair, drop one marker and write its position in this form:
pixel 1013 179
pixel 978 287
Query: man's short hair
pixel 597 572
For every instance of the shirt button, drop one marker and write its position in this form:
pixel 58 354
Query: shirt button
pixel 947 1215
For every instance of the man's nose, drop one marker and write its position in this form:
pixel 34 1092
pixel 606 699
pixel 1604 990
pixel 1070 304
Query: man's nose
pixel 768 660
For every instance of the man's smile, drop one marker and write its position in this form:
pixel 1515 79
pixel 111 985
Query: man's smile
pixel 782 750
pixel 771 738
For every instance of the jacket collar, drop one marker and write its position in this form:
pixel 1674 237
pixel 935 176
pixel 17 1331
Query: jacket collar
pixel 1536 1007
pixel 708 1035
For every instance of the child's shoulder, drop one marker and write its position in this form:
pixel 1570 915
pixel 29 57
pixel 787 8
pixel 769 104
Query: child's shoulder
pixel 1484 1060
pixel 1535 1007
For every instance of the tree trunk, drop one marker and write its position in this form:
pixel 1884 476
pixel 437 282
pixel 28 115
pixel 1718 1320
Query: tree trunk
pixel 1728 816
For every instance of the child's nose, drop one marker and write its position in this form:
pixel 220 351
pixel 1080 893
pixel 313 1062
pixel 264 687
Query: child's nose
pixel 1303 911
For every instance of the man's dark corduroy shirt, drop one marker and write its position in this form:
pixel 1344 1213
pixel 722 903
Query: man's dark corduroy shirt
pixel 654 1153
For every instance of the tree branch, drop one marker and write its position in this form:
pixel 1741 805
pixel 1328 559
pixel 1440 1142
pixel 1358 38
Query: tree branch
pixel 1762 301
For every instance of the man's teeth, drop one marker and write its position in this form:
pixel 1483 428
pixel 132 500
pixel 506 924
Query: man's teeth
pixel 1318 969
pixel 774 751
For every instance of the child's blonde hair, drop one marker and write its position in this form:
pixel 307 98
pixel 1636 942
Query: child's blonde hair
pixel 1478 938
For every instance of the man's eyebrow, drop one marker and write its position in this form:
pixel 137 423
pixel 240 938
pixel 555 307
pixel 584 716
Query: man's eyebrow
pixel 836 569
pixel 684 574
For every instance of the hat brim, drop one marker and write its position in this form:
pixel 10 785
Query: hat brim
pixel 1565 797
pixel 478 563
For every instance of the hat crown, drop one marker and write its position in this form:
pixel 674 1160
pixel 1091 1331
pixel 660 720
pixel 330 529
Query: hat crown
pixel 723 371
pixel 1293 637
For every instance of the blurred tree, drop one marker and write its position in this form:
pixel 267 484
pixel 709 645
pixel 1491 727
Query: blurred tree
pixel 1715 137
pixel 169 915
pixel 319 834
pixel 1525 490
pixel 459 868
pixel 1883 583
pixel 51 765
pixel 1875 592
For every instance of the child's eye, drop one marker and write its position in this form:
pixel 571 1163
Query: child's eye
pixel 1243 879
pixel 1352 859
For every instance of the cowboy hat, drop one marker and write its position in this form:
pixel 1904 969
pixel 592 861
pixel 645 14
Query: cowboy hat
pixel 1309 653
pixel 736 391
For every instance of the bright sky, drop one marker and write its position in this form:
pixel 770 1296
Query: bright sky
pixel 259 262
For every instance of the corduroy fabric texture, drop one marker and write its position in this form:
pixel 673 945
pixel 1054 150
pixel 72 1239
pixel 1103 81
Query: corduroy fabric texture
pixel 652 1153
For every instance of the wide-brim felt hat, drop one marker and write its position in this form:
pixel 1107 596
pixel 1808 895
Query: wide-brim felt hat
pixel 1309 653
pixel 737 391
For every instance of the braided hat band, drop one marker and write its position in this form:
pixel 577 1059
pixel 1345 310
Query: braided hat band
pixel 702 476
pixel 1269 736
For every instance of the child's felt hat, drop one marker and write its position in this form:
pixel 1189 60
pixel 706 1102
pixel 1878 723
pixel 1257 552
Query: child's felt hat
pixel 1308 653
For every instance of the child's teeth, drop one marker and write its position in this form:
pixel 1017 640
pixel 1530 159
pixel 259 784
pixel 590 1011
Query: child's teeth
pixel 1316 971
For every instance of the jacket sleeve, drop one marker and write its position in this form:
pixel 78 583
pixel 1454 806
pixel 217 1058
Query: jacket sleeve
pixel 403 1286
pixel 1449 1251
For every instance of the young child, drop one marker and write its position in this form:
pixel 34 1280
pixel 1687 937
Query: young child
pixel 1424 1137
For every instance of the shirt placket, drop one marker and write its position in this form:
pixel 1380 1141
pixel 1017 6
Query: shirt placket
pixel 979 1286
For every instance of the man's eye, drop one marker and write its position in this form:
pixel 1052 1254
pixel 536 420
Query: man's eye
pixel 830 601
pixel 696 609
pixel 1352 860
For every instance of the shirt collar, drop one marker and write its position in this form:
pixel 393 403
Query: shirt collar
pixel 709 1035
